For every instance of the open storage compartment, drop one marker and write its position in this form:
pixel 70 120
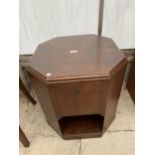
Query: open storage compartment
pixel 80 125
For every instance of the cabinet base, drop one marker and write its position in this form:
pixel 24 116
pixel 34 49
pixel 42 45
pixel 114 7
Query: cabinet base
pixel 82 136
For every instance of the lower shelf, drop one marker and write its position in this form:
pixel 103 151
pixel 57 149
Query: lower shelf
pixel 81 125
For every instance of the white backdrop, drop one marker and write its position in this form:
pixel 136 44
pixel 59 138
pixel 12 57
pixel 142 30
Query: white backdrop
pixel 119 22
pixel 42 20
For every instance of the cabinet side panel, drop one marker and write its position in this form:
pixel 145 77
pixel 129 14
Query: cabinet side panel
pixel 114 89
pixel 46 102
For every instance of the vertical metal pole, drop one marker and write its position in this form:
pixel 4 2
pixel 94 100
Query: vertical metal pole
pixel 100 17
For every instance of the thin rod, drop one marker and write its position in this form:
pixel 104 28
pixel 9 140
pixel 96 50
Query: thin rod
pixel 100 17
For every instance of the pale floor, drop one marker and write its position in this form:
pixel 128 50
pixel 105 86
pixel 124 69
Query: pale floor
pixel 118 140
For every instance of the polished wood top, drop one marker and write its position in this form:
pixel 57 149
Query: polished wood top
pixel 82 56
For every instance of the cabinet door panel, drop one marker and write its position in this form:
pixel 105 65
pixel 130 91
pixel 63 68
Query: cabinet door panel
pixel 79 98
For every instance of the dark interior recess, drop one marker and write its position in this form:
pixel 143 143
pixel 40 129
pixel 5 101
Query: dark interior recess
pixel 77 125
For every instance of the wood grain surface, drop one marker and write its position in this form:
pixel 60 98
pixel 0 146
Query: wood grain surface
pixel 80 83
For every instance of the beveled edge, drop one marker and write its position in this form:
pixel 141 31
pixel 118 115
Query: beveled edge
pixel 118 67
pixel 65 79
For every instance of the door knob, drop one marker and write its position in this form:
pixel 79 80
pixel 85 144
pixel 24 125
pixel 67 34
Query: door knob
pixel 77 91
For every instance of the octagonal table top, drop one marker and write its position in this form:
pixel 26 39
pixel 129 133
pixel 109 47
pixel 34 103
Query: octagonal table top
pixel 73 57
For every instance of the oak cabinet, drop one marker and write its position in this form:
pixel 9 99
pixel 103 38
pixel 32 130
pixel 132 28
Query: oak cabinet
pixel 78 80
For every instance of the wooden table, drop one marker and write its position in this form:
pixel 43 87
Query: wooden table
pixel 78 80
